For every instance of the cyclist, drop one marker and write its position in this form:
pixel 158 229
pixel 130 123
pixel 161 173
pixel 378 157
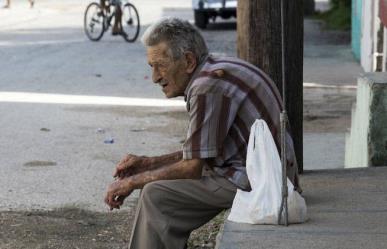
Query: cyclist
pixel 117 26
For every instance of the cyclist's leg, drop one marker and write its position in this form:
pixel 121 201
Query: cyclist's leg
pixel 103 4
pixel 117 27
pixel 117 20
pixel 7 4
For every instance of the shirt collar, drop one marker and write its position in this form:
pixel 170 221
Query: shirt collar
pixel 194 75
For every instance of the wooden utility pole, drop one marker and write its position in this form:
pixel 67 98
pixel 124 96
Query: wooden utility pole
pixel 259 42
pixel 309 6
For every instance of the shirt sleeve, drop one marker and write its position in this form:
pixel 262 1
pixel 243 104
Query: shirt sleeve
pixel 210 118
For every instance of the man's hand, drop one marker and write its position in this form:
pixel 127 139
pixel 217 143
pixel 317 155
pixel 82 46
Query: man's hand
pixel 117 192
pixel 128 166
pixel 121 188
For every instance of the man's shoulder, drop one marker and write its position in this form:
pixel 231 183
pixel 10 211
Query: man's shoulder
pixel 221 69
pixel 214 61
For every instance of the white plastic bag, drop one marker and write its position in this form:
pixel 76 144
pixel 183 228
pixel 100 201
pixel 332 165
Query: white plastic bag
pixel 262 204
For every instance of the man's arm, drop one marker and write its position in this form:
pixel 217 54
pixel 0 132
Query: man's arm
pixel 158 161
pixel 132 164
pixel 183 169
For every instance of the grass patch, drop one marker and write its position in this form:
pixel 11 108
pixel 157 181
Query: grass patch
pixel 338 17
pixel 205 236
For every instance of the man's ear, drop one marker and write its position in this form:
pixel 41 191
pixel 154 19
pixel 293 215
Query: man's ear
pixel 191 62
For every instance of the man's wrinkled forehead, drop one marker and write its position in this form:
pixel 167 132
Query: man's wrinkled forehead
pixel 160 51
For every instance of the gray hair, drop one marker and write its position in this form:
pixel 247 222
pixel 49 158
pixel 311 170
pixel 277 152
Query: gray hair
pixel 180 36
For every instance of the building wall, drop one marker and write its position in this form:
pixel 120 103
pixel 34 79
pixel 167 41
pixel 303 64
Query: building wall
pixel 369 37
pixel 367 34
pixel 356 27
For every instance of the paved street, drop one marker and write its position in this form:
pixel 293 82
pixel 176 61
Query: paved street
pixel 62 96
pixel 54 154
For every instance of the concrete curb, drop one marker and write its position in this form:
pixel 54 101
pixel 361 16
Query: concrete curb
pixel 346 209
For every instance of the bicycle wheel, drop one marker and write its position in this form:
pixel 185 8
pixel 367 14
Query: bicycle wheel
pixel 130 22
pixel 94 22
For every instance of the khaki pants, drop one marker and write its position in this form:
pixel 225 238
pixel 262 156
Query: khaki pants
pixel 169 210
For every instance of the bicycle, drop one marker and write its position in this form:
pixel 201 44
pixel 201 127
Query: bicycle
pixel 97 20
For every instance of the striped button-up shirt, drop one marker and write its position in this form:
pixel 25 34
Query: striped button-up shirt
pixel 224 98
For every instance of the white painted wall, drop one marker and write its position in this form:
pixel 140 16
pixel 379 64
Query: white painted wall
pixel 385 50
pixel 367 35
pixel 356 142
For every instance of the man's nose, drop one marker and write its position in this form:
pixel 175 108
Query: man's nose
pixel 156 77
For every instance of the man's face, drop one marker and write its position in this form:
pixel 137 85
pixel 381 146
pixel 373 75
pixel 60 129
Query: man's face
pixel 171 75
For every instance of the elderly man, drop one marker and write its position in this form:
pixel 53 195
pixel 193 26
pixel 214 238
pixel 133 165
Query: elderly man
pixel 184 190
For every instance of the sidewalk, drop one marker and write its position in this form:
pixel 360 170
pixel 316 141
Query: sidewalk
pixel 330 78
pixel 346 210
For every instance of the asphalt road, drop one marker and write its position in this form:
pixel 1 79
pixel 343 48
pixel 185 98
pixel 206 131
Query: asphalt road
pixel 62 97
pixel 57 110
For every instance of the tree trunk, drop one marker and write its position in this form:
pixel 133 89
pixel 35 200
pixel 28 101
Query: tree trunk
pixel 259 42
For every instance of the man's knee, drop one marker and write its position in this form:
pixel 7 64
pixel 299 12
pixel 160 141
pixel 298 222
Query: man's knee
pixel 152 193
